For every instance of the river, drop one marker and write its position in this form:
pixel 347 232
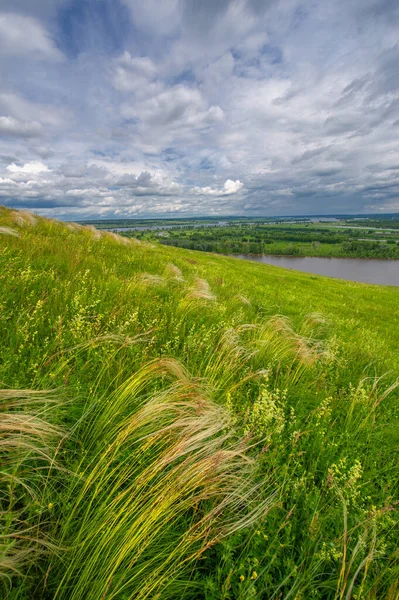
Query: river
pixel 379 271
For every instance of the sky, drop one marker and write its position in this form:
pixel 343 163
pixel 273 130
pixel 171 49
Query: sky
pixel 148 108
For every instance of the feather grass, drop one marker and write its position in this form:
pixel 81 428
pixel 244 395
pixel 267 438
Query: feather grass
pixel 166 480
pixel 28 445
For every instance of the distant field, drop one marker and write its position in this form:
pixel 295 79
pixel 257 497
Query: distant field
pixel 337 239
pixel 184 425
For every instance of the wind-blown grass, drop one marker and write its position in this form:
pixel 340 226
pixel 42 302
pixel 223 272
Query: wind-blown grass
pixel 162 482
pixel 225 429
pixel 28 442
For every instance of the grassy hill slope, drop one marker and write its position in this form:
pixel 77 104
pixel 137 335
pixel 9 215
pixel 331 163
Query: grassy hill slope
pixel 184 425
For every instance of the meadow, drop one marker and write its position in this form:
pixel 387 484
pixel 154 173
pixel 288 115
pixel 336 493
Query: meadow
pixel 184 425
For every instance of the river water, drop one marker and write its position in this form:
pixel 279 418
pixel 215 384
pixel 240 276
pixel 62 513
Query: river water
pixel 382 272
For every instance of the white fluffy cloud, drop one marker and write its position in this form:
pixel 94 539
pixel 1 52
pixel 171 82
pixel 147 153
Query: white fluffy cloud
pixel 31 168
pixel 230 187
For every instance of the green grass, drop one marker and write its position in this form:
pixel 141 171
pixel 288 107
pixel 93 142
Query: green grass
pixel 177 424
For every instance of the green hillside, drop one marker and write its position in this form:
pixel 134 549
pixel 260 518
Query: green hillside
pixel 181 425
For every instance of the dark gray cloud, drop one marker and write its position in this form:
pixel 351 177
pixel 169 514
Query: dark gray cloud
pixel 199 107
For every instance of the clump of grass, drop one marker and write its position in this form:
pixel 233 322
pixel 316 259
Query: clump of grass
pixel 280 337
pixel 200 290
pixel 96 233
pixel 165 479
pixel 152 280
pixel 73 226
pixel 243 299
pixel 173 273
pixel 23 218
pixel 9 231
pixel 117 238
pixel 28 444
